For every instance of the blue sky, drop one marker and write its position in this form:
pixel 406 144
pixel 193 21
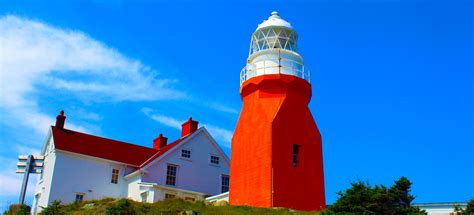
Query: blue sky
pixel 392 80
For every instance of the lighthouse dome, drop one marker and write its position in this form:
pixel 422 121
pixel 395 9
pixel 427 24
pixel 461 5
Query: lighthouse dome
pixel 274 33
pixel 274 20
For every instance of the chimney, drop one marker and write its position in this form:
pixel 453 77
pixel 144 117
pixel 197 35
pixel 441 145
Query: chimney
pixel 60 120
pixel 159 142
pixel 189 127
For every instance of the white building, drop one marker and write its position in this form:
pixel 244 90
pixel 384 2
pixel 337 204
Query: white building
pixel 80 166
pixel 442 208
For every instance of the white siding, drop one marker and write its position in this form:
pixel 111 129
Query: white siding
pixel 76 174
pixel 66 174
pixel 133 187
pixel 160 193
pixel 194 174
pixel 44 183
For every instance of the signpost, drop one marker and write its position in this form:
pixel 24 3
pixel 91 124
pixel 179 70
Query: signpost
pixel 28 164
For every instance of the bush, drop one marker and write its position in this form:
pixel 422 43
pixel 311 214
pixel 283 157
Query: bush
pixel 53 209
pixel 20 209
pixel 123 206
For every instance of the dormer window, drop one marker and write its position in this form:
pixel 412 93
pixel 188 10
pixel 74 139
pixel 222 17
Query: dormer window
pixel 186 153
pixel 214 160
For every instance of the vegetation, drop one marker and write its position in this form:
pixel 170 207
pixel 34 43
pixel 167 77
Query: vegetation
pixel 18 209
pixel 469 210
pixel 168 206
pixel 362 198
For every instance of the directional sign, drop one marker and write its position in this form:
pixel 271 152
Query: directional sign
pixel 28 164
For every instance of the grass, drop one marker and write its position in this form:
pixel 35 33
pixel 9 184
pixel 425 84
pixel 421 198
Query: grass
pixel 168 206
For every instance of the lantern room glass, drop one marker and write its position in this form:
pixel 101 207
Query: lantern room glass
pixel 273 37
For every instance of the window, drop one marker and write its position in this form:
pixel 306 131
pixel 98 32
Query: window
pixel 169 196
pixel 79 197
pixel 171 175
pixel 115 174
pixel 187 198
pixel 296 151
pixel 225 183
pixel 144 196
pixel 186 153
pixel 214 159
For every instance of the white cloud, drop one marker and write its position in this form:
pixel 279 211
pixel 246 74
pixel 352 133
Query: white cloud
pixel 223 108
pixel 39 58
pixel 221 134
pixel 34 54
pixel 36 57
pixel 165 120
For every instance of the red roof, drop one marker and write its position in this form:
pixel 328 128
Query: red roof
pixel 86 144
pixel 163 150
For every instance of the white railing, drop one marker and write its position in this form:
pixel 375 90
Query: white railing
pixel 251 70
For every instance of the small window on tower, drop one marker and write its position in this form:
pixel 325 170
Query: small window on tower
pixel 115 175
pixel 296 151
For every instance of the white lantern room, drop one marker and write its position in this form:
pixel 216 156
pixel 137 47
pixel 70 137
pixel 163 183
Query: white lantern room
pixel 273 50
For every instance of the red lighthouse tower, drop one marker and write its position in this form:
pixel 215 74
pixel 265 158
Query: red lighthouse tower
pixel 276 147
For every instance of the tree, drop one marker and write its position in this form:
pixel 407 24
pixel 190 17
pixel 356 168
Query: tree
pixel 362 198
pixel 457 208
pixel 469 208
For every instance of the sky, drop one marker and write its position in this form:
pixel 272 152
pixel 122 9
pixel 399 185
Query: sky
pixel 392 81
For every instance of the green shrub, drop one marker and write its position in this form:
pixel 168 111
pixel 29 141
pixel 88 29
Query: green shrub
pixel 53 209
pixel 122 207
pixel 20 209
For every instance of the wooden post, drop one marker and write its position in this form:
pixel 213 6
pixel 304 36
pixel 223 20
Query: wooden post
pixel 25 178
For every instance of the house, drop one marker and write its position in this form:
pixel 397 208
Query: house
pixel 79 166
pixel 441 208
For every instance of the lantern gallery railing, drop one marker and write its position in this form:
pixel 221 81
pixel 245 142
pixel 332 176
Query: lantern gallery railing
pixel 285 66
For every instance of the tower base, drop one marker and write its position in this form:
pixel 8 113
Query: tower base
pixel 275 119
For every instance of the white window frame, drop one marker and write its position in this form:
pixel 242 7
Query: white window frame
pixel 175 174
pixel 190 154
pixel 171 194
pixel 218 160
pixel 222 183
pixel 81 199
pixel 112 175
pixel 190 198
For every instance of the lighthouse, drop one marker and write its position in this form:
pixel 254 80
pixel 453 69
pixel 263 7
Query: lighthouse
pixel 276 147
